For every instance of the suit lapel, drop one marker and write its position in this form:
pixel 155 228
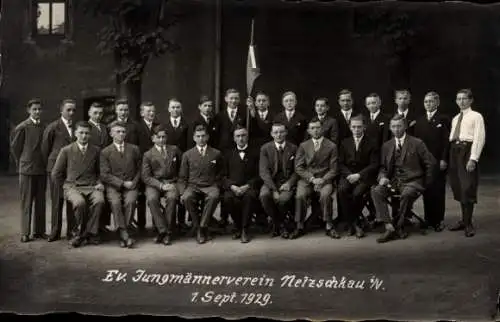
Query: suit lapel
pixel 274 152
pixel 404 147
pixel 65 132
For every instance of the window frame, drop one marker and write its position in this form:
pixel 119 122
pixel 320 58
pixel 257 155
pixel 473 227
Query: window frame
pixel 32 20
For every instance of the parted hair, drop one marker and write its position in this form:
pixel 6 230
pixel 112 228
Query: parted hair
pixel 399 117
pixel 33 101
pixel 466 91
pixel 121 101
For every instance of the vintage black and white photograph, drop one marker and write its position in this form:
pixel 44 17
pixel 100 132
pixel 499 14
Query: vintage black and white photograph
pixel 319 160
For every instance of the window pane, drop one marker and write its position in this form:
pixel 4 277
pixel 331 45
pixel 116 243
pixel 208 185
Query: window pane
pixel 43 18
pixel 58 17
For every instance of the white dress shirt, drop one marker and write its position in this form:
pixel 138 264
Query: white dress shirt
pixel 82 147
pixel 472 129
pixel 120 147
pixel 241 151
pixel 175 121
pixel 347 114
pixel 97 125
pixel 373 116
pixel 278 145
pixel 34 121
pixel 231 112
pixel 430 115
pixel 401 141
pixel 405 113
pixel 289 114
pixel 202 149
pixel 263 114
pixel 66 123
pixel 148 123
pixel 317 143
pixel 357 141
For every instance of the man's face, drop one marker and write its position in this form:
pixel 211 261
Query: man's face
pixel 241 137
pixel 278 133
pixel 148 112
pixel 68 110
pixel 314 129
pixel 357 128
pixel 232 100
pixel 402 100
pixel 122 111
pixel 372 104
pixel 206 108
pixel 321 107
pixel 96 113
pixel 82 135
pixel 160 138
pixel 175 109
pixel 200 137
pixel 118 134
pixel 430 103
pixel 398 128
pixel 289 102
pixel 262 102
pixel 35 111
pixel 463 101
pixel 345 102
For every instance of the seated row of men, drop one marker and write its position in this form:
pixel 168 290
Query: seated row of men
pixel 288 172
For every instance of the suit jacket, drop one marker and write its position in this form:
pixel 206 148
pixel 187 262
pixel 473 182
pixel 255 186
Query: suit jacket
pixel 418 162
pixel 201 171
pixel 98 137
pixel 241 172
pixel 178 136
pixel 225 127
pixel 26 147
pixel 157 170
pixel 55 137
pixel 435 134
pixel 378 129
pixel 212 131
pixel 260 129
pixel 296 127
pixel 321 164
pixel 76 170
pixel 344 130
pixel 365 161
pixel 116 168
pixel 268 164
pixel 144 141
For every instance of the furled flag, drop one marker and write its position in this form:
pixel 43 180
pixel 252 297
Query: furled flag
pixel 253 70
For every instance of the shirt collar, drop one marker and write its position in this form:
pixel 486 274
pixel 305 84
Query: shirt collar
pixel 278 145
pixel 95 123
pixel 178 118
pixel 374 115
pixel 358 139
pixel 81 147
pixel 467 110
pixel 401 139
pixel 199 148
pixel 122 120
pixel 148 123
pixel 431 114
pixel 65 121
pixel 319 140
pixel 289 113
pixel 405 113
pixel 243 148
pixel 34 121
pixel 264 113
pixel 119 145
pixel 159 148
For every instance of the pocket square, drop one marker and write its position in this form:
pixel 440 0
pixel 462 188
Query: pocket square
pixel 381 123
pixel 413 123
pixel 439 125
pixel 214 161
pixel 175 159
pixel 292 157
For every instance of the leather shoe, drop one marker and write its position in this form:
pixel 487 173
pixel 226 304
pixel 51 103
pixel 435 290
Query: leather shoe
pixel 53 238
pixel 159 238
pixel 237 235
pixel 359 232
pixel 458 226
pixel 130 243
pixel 244 237
pixel 275 231
pixel 94 240
pixel 76 242
pixel 201 238
pixel 25 239
pixel 402 234
pixel 332 233
pixel 123 244
pixel 41 236
pixel 439 227
pixel 387 236
pixel 285 234
pixel 469 231
pixel 167 240
pixel 297 233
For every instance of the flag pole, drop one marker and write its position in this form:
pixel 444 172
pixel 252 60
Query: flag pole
pixel 249 90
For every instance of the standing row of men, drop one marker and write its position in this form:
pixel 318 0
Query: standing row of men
pixel 285 164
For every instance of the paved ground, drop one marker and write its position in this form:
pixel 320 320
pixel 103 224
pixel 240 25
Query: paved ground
pixel 438 276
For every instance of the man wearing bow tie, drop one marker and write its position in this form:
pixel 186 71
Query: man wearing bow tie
pixel 120 166
pixel 177 131
pixel 58 134
pixel 26 147
pixel 294 121
pixel 467 139
pixel 205 118
pixel 316 165
pixel 359 161
pixel 200 179
pixel 434 130
pixel 277 171
pixel 402 98
pixel 407 168
pixel 77 167
pixel 241 183
pixel 261 119
pixel 160 169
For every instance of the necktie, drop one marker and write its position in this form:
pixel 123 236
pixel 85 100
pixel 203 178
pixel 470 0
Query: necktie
pixel 175 123
pixel 373 117
pixel 70 129
pixel 346 115
pixel 429 116
pixel 456 132
pixel 242 154
pixel 288 116
pixel 356 142
pixel 120 149
pixel 233 114
pixel 163 152
pixel 398 145
pixel 316 146
pixel 202 152
pixel 262 116
pixel 84 149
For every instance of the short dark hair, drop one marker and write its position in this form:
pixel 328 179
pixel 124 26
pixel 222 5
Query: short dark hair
pixel 324 99
pixel 84 124
pixel 200 127
pixel 373 95
pixel 173 99
pixel 399 117
pixel 345 92
pixel 68 101
pixel 285 94
pixel 159 128
pixel 278 123
pixel 96 105
pixel 33 101
pixel 466 91
pixel 402 90
pixel 121 101
pixel 433 94
pixel 204 99
pixel 314 120
pixel 232 91
pixel 358 117
pixel 262 94
pixel 239 127
pixel 117 123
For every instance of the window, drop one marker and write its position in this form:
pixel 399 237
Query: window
pixel 51 18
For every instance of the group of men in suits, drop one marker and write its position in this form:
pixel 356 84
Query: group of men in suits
pixel 285 161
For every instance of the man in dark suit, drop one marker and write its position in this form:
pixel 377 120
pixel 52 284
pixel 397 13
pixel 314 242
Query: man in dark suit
pixel 377 127
pixel 359 162
pixel 177 129
pixel 99 137
pixel 200 178
pixel 205 118
pixel 241 182
pixel 160 169
pixel 434 130
pixel 277 171
pixel 344 114
pixel 261 119
pixel 120 168
pixel 294 121
pixel 26 147
pixel 58 134
pixel 467 139
pixel 316 166
pixel 329 125
pixel 77 165
pixel 407 168
pixel 402 98
pixel 123 115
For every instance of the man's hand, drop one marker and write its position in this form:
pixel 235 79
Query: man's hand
pixel 167 186
pixel 318 181
pixel 317 187
pixel 235 189
pixel 251 106
pixel 443 165
pixel 285 187
pixel 471 166
pixel 353 178
pixel 182 199
pixel 128 185
pixel 383 181
pixel 244 189
pixel 99 187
